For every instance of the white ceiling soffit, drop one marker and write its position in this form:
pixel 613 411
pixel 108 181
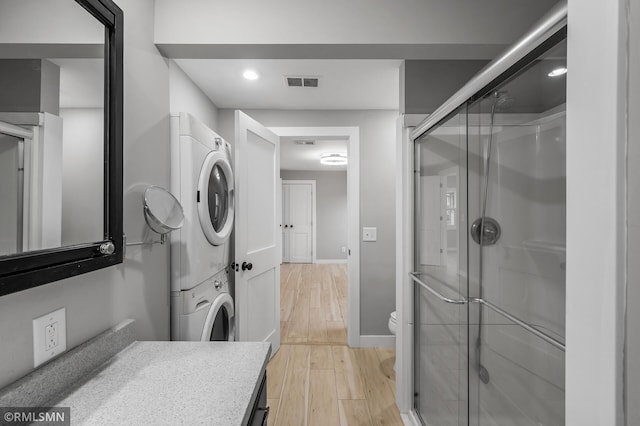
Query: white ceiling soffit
pixel 307 157
pixel 360 29
pixel 345 84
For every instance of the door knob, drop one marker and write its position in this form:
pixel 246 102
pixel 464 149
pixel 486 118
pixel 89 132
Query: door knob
pixel 291 226
pixel 246 266
pixel 286 226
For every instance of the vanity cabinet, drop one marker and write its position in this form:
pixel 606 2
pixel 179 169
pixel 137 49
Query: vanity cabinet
pixel 260 411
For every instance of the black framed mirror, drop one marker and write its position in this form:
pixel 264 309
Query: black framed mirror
pixel 61 130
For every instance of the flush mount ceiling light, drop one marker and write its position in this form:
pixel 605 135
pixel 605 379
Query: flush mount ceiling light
pixel 333 159
pixel 558 72
pixel 250 75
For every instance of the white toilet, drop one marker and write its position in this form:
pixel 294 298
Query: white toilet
pixel 393 323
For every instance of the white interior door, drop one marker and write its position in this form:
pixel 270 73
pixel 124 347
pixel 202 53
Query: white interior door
pixel 257 232
pixel 300 216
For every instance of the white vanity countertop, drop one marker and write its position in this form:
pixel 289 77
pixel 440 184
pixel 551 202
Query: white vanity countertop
pixel 170 383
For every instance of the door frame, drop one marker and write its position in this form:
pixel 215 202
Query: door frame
pixel 352 135
pixel 404 264
pixel 313 210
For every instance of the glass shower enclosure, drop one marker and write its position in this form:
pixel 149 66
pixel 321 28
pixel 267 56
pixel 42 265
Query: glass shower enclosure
pixel 489 267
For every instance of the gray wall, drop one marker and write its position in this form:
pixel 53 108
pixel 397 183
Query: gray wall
pixel 633 215
pixel 139 288
pixel 331 210
pixel 29 85
pixel 185 96
pixel 377 198
pixel 427 84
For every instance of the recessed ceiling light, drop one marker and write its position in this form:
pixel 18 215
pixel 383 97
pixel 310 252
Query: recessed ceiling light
pixel 250 75
pixel 558 72
pixel 333 159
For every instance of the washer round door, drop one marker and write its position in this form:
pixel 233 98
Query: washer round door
pixel 219 325
pixel 215 202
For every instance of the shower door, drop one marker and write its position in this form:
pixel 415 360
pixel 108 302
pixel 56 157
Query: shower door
pixel 490 257
pixel 441 311
pixel 517 187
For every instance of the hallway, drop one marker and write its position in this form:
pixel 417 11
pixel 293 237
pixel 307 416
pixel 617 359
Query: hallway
pixel 315 378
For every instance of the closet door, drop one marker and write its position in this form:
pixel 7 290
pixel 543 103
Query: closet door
pixel 285 223
pixel 300 229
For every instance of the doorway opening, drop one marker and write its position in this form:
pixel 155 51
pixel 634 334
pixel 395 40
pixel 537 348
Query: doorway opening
pixel 350 138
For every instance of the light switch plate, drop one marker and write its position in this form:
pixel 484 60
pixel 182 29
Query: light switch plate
pixel 369 233
pixel 49 336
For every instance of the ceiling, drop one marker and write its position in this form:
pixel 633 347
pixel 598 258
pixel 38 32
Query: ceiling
pixel 307 157
pixel 344 84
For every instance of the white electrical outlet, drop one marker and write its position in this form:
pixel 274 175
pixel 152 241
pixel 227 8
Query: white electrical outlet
pixel 49 336
pixel 344 249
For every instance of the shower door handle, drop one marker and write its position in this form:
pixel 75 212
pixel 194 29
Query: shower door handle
pixel 414 276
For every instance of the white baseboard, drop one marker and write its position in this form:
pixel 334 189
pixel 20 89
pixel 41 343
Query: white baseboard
pixel 330 261
pixel 375 341
pixel 410 418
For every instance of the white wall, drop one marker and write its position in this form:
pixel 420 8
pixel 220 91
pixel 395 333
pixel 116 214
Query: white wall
pixel 331 210
pixel 596 144
pixel 185 96
pixel 139 288
pixel 82 179
pixel 377 197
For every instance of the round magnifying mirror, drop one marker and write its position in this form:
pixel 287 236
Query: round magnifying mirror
pixel 162 211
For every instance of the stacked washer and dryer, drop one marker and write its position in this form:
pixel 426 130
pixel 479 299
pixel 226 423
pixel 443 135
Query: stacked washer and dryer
pixel 202 306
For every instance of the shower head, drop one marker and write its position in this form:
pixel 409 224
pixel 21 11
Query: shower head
pixel 503 100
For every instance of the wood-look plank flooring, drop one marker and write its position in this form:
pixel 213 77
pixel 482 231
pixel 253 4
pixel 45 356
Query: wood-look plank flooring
pixel 316 378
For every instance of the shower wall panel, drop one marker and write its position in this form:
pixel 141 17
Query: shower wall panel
pixel 524 274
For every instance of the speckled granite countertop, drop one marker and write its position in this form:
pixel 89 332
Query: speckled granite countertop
pixel 170 383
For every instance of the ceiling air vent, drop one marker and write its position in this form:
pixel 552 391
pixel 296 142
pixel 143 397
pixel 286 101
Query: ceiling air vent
pixel 310 82
pixel 304 142
pixel 294 81
pixel 301 81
